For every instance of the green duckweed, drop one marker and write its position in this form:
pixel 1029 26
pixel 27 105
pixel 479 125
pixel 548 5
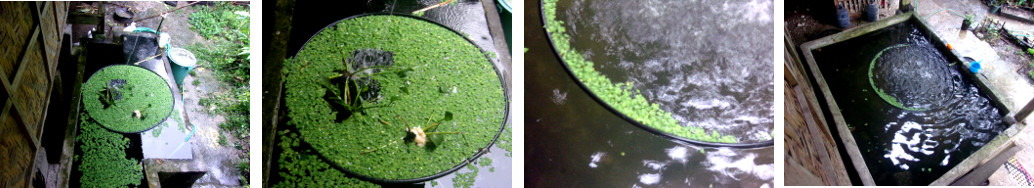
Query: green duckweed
pixel 304 169
pixel 621 96
pixel 143 91
pixel 438 58
pixel 103 162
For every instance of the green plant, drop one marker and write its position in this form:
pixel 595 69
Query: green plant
pixel 419 135
pixel 103 160
pixel 243 168
pixel 127 98
pixel 196 82
pixel 303 168
pixel 992 31
pixel 222 140
pixel 1031 74
pixel 622 96
pixel 475 96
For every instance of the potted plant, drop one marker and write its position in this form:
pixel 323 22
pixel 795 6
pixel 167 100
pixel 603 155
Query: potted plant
pixel 995 6
pixel 967 22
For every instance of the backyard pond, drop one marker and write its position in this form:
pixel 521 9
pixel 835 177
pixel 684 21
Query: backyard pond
pixel 913 112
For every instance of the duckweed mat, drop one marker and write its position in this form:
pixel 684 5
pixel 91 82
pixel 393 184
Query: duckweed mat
pixel 627 98
pixel 436 73
pixel 127 99
pixel 103 161
pixel 302 168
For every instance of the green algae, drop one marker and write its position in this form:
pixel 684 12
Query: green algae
pixel 143 91
pixel 103 160
pixel 621 96
pixel 890 99
pixel 438 58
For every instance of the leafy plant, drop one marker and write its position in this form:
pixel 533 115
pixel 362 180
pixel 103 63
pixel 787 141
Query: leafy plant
pixel 227 26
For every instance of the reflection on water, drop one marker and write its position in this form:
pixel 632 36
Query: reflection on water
pixel 904 147
pixel 706 62
pixel 579 143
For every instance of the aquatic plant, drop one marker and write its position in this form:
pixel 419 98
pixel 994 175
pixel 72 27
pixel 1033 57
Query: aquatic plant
pixel 418 135
pixel 890 99
pixel 437 70
pixel 621 96
pixel 127 98
pixel 302 168
pixel 103 162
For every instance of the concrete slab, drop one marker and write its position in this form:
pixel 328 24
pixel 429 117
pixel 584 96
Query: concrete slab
pixel 1002 75
pixel 168 140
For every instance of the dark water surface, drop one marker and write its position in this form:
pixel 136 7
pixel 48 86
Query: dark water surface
pixel 904 147
pixel 708 63
pixel 573 141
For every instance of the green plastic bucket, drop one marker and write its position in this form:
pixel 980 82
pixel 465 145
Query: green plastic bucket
pixel 182 61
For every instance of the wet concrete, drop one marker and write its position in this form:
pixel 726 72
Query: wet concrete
pixel 1001 74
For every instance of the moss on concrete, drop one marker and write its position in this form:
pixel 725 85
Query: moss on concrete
pixel 371 142
pixel 143 91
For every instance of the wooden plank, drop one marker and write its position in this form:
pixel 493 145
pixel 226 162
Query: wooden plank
pixel 984 171
pixel 31 85
pixel 26 56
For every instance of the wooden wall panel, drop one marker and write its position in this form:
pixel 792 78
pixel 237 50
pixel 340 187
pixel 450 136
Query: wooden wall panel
pixel 15 31
pixel 16 159
pixel 30 44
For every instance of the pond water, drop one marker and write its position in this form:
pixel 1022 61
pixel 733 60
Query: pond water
pixel 713 73
pixel 467 17
pixel 943 116
pixel 574 141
